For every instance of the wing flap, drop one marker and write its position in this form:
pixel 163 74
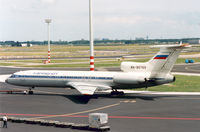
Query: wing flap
pixel 87 88
pixel 83 88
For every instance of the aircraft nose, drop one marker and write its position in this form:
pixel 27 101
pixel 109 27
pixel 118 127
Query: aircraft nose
pixel 6 80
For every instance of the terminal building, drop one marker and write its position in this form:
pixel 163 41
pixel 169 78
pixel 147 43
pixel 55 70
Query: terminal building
pixel 194 41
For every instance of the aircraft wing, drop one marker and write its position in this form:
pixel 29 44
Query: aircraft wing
pixel 87 88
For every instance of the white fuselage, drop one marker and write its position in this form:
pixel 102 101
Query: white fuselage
pixel 44 78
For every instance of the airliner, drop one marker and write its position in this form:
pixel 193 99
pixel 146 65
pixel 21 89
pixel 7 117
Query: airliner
pixel 132 75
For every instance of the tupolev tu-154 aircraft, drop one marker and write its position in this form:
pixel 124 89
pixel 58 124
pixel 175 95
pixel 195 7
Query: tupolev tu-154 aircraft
pixel 133 75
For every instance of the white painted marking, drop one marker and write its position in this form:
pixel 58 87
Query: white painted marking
pixel 157 93
pixel 133 101
pixel 187 74
pixel 128 101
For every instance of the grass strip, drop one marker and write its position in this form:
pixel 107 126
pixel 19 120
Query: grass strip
pixel 182 84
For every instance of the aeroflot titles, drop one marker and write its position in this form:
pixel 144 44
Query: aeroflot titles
pixel 45 73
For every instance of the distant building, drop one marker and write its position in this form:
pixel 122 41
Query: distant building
pixel 97 39
pixel 139 38
pixel 10 42
pixel 105 38
pixel 23 45
pixel 147 37
pixel 194 41
pixel 26 45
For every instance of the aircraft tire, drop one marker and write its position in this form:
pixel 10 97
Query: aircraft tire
pixel 117 93
pixel 121 93
pixel 30 92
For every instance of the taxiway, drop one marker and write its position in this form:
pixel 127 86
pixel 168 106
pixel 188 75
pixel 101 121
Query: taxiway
pixel 132 112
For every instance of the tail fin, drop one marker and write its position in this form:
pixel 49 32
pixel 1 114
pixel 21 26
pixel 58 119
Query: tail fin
pixel 162 63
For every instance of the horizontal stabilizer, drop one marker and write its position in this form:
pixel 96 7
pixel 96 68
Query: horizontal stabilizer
pixel 172 46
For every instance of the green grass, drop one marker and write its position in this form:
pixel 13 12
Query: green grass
pixel 52 61
pixel 66 51
pixel 10 64
pixel 78 51
pixel 182 60
pixel 97 64
pixel 77 62
pixel 182 84
pixel 59 65
pixel 178 61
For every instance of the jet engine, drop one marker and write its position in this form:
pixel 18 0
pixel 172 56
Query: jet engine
pixel 168 79
pixel 127 78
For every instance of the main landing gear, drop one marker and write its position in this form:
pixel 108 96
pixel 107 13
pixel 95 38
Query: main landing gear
pixel 30 91
pixel 115 92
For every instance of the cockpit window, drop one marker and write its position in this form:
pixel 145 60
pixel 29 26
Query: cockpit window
pixel 12 76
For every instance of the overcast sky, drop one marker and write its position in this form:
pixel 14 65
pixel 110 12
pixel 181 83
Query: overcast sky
pixel 23 20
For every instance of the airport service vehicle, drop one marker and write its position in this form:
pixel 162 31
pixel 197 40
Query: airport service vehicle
pixel 133 75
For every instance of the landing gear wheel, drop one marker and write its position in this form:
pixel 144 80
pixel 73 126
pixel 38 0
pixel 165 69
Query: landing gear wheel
pixel 117 93
pixel 121 93
pixel 30 92
pixel 25 92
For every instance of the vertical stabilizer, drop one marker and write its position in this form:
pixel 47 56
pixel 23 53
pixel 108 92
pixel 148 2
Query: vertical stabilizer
pixel 162 63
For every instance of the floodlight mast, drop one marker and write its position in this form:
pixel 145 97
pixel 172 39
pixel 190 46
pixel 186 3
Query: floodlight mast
pixel 48 21
pixel 91 37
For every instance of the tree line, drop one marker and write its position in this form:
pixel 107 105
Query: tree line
pixel 102 42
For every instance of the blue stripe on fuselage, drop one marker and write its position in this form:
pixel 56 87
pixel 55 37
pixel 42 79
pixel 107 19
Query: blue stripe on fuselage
pixel 61 77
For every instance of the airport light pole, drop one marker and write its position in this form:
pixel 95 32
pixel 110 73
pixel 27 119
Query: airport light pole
pixel 48 21
pixel 91 37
